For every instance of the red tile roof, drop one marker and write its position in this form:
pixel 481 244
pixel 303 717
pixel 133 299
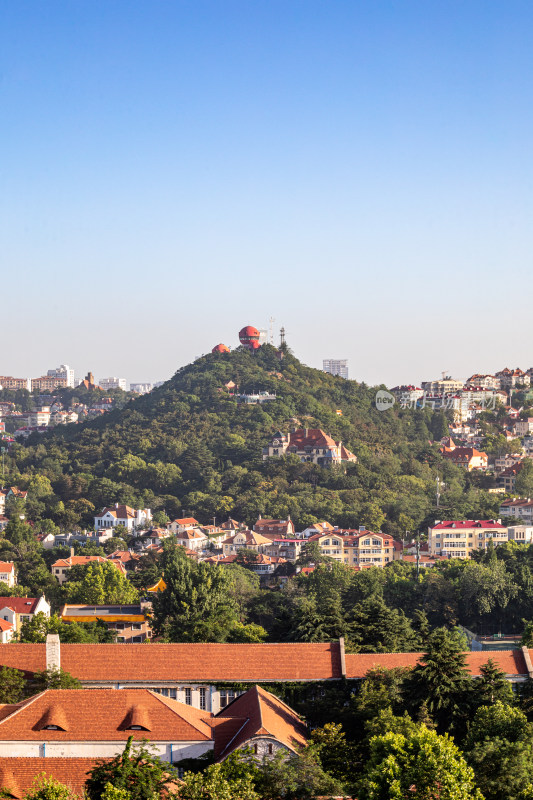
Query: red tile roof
pixel 6 566
pixel 104 718
pixel 263 715
pixel 184 662
pixel 20 605
pixel 468 523
pixel 510 661
pixel 17 774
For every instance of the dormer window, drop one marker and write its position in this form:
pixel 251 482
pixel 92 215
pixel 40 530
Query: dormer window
pixel 51 728
pixel 136 728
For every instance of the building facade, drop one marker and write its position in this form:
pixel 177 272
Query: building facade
pixel 336 366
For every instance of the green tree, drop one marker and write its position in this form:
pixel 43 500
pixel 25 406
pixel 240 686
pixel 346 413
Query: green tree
pixel 296 776
pixel 375 628
pixel 491 687
pixel 216 783
pixel 440 680
pixel 422 763
pixel 37 628
pixel 197 605
pixel 99 583
pixel 336 755
pixel 45 787
pixel 55 679
pixel 12 685
pixel 135 770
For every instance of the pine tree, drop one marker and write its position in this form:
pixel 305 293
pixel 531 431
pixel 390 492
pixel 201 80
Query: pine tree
pixel 440 681
pixel 491 687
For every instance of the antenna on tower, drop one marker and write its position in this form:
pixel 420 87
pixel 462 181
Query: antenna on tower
pixel 271 329
pixel 282 336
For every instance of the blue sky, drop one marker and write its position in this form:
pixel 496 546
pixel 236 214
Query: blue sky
pixel 360 171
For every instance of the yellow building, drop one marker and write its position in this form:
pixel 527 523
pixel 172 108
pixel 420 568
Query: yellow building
pixel 458 538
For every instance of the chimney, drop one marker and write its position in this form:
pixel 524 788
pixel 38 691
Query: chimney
pixel 53 652
pixel 71 552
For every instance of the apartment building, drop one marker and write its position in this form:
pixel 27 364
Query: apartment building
pixel 8 382
pixel 458 538
pixel 336 366
pixel 367 549
pixel 113 383
pixel 445 385
pixel 360 548
pixel 521 534
pixel 521 508
pixel 63 372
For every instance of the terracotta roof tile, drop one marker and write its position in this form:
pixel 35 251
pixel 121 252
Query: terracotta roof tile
pixel 184 662
pixel 17 774
pixel 510 661
pixel 262 714
pixel 103 718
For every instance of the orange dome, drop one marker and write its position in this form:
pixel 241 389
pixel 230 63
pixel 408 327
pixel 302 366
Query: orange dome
pixel 220 348
pixel 254 345
pixel 248 335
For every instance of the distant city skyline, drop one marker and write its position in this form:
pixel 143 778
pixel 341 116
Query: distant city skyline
pixel 361 172
pixel 432 374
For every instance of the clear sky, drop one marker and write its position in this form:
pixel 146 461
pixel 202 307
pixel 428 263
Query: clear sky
pixel 360 171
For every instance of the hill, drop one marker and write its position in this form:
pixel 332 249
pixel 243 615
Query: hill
pixel 188 448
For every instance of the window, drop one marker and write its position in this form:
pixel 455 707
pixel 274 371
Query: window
pixel 136 626
pixel 188 696
pixel 52 728
pixel 270 749
pixel 226 696
pixel 203 703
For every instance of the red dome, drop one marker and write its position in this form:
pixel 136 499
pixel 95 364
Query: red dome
pixel 220 348
pixel 248 334
pixel 254 345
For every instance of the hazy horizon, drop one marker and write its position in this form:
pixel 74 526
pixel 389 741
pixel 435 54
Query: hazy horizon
pixel 360 172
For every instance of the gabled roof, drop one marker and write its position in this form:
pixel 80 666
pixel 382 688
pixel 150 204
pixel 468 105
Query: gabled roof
pixel 185 521
pixel 119 512
pixel 20 605
pixel 191 535
pixel 7 566
pixel 262 715
pixel 105 716
pixel 5 625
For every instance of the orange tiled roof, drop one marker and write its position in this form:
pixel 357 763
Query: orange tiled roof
pixel 184 662
pixel 17 774
pixel 262 715
pixel 510 661
pixel 6 566
pixel 104 718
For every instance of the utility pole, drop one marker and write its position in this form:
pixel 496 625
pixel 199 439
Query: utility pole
pixel 438 490
pixel 418 557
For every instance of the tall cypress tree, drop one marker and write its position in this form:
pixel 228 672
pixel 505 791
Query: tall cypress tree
pixel 441 681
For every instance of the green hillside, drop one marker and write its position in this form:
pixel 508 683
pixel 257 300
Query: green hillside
pixel 188 448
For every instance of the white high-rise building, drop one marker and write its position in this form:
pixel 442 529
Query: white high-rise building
pixel 336 366
pixel 112 383
pixel 141 388
pixel 63 371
